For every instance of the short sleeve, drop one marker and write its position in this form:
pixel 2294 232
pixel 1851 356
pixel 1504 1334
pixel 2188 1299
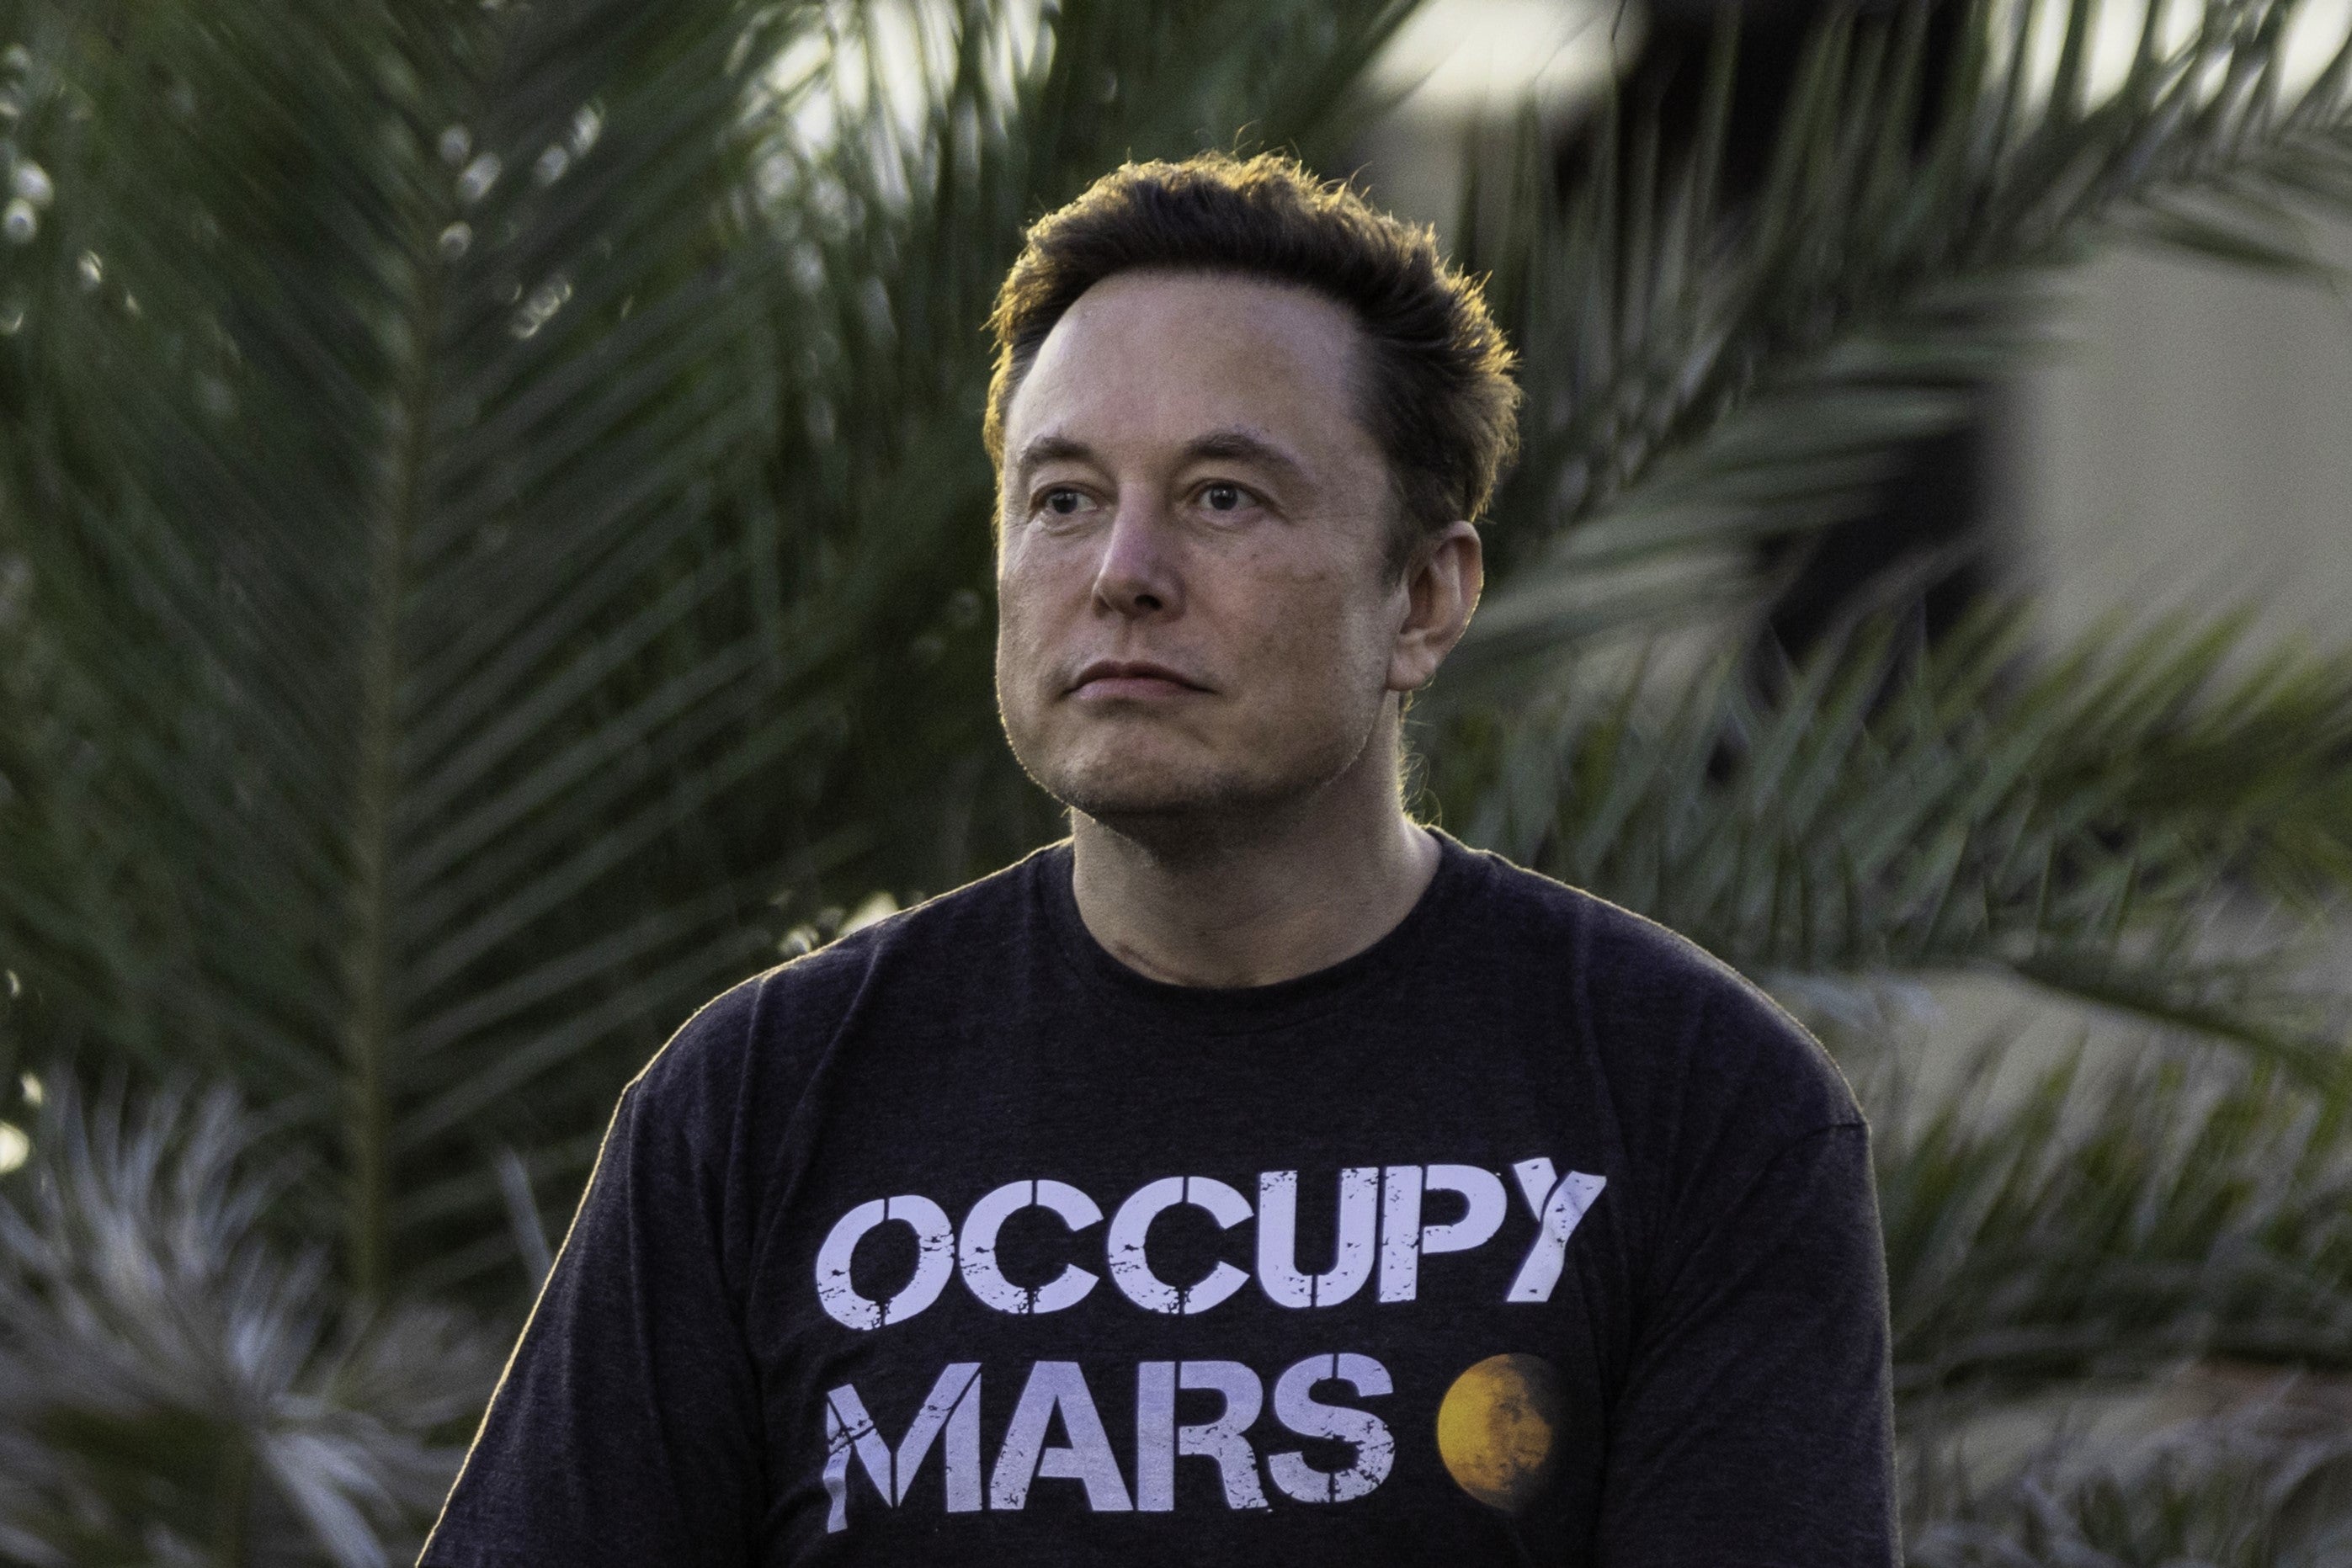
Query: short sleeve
pixel 625 1428
pixel 1755 1428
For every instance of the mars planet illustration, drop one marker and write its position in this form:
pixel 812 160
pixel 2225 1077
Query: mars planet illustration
pixel 1496 1429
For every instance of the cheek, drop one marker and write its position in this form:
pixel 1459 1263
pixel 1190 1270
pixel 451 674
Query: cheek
pixel 1015 639
pixel 1034 621
pixel 1022 603
pixel 1319 643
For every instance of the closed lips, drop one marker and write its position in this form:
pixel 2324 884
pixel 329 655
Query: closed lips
pixel 1111 671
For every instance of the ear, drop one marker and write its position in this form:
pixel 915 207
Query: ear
pixel 1440 590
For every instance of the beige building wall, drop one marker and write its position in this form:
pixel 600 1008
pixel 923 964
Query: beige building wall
pixel 2186 443
pixel 2189 442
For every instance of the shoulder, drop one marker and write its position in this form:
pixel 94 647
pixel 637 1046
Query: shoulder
pixel 776 1025
pixel 1658 1009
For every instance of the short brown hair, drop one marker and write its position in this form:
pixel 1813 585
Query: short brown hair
pixel 1441 402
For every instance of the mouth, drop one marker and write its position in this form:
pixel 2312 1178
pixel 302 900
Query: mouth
pixel 1106 679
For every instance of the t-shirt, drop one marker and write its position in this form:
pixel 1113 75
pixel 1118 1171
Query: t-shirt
pixel 1529 1234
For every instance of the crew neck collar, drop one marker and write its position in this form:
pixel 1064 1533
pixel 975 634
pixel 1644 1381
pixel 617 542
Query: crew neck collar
pixel 1390 960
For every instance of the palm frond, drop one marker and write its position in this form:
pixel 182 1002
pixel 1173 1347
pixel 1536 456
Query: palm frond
pixel 174 1385
pixel 2268 1485
pixel 347 616
pixel 2105 1226
pixel 503 536
pixel 1701 375
pixel 2092 821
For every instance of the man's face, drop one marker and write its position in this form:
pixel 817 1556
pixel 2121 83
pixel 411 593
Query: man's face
pixel 1194 617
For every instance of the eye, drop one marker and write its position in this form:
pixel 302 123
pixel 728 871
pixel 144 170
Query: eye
pixel 1063 501
pixel 1223 497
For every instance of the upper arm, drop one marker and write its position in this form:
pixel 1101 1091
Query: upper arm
pixel 1754 1429
pixel 625 1429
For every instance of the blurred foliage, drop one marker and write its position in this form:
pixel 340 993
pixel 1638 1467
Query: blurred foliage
pixel 2073 820
pixel 494 546
pixel 2264 1487
pixel 174 1389
pixel 499 531
pixel 2110 1225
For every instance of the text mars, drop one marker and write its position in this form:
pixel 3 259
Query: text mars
pixel 949 1419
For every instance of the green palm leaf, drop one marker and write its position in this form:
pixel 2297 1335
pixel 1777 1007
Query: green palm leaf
pixel 1701 376
pixel 2105 1226
pixel 505 533
pixel 353 623
pixel 2079 820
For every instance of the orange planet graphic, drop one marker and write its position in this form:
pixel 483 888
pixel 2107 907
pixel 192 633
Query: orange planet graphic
pixel 1496 1429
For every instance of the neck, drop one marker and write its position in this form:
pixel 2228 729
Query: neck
pixel 1251 900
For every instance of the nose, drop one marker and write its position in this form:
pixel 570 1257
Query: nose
pixel 1139 577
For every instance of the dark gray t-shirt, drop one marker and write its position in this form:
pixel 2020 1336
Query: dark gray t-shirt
pixel 1531 1234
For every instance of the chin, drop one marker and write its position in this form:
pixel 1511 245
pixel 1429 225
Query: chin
pixel 1124 794
pixel 1172 800
pixel 1147 784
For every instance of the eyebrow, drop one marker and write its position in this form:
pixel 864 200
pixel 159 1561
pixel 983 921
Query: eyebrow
pixel 1238 444
pixel 1234 443
pixel 1044 450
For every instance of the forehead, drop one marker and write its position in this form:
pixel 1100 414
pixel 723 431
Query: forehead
pixel 1149 357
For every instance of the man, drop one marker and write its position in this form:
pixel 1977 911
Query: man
pixel 1257 1177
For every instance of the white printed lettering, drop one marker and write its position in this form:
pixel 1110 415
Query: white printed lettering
pixel 1132 1272
pixel 1277 1239
pixel 1160 1442
pixel 1086 1458
pixel 1155 1436
pixel 934 1262
pixel 1405 1240
pixel 1558 1204
pixel 953 1404
pixel 977 1249
pixel 1296 1406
